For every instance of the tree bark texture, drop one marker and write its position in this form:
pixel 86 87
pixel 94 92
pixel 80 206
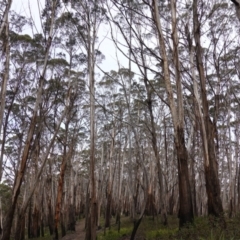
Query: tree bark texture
pixel 60 194
pixel 186 208
pixel 210 157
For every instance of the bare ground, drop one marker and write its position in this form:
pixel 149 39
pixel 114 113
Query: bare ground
pixel 79 234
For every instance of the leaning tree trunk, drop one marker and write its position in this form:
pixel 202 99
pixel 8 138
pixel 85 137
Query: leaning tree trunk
pixel 7 226
pixel 4 80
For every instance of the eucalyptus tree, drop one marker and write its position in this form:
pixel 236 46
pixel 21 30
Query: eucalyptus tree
pixel 73 74
pixel 126 102
pixel 211 170
pixel 139 161
pixel 5 192
pixel 112 112
pixel 224 92
pixel 113 115
pixel 214 88
pixel 138 52
pixel 88 17
pixel 19 104
pixel 68 143
pixel 5 51
pixel 177 112
pixel 228 118
pixel 30 133
pixel 4 14
pixel 159 55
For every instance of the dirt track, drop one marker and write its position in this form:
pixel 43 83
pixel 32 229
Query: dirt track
pixel 79 234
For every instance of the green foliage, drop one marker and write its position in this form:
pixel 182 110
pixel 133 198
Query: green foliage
pixel 20 38
pixel 57 62
pixel 5 195
pixel 150 229
pixel 46 237
pixel 114 234
pixel 166 233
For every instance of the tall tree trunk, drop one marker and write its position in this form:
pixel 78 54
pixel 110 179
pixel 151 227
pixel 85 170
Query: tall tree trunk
pixel 72 201
pixel 58 207
pixel 50 217
pixel 157 157
pixel 35 222
pixel 143 207
pixel 185 198
pixel 210 158
pixel 238 187
pixel 110 182
pixel 6 53
pixel 59 198
pixel 1 217
pixel 92 218
pixel 23 162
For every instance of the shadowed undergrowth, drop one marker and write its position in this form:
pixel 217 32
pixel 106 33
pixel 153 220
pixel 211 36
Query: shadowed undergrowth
pixel 204 228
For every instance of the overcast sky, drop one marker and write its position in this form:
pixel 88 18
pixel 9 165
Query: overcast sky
pixel 30 9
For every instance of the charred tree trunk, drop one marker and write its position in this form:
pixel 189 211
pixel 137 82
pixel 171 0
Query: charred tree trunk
pixel 35 228
pixel 72 220
pixel 50 217
pixel 215 207
pixel 185 199
pixel 108 210
pixel 135 228
pixel 29 219
pixel 150 206
pixel 8 222
pixel 20 229
pixel 42 227
pixel 63 227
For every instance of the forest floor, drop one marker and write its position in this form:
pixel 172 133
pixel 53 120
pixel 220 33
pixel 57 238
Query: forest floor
pixel 79 234
pixel 204 228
